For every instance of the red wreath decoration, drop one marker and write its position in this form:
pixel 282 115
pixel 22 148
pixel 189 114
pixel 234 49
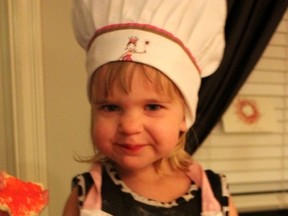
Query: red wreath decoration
pixel 247 111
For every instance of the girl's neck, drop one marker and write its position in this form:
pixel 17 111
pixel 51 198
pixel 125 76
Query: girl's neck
pixel 157 170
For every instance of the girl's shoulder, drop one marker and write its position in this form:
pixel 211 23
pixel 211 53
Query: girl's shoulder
pixel 214 187
pixel 219 186
pixel 83 182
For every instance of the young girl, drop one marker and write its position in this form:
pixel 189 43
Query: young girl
pixel 142 108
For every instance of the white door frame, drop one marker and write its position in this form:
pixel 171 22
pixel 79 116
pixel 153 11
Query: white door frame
pixel 25 43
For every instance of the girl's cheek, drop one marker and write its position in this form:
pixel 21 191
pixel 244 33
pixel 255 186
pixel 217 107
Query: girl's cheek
pixel 100 129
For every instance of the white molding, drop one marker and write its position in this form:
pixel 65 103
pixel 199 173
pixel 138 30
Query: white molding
pixel 28 89
pixel 7 159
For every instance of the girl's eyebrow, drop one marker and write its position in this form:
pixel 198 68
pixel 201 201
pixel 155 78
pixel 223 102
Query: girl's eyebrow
pixel 166 99
pixel 162 99
pixel 100 101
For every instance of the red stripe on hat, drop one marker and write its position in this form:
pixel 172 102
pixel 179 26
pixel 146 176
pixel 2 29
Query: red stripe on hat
pixel 145 27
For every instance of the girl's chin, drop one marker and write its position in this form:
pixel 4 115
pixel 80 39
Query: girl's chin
pixel 135 162
pixel 136 165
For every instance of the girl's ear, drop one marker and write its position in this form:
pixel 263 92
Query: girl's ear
pixel 183 126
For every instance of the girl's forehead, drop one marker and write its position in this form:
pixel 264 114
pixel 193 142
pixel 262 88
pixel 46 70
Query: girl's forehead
pixel 124 76
pixel 130 81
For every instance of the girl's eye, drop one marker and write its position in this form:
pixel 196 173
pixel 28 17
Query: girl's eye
pixel 110 108
pixel 153 107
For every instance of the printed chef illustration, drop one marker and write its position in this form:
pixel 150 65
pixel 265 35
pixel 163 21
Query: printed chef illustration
pixel 131 49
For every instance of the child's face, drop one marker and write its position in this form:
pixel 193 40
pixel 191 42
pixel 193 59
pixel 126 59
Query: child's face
pixel 139 127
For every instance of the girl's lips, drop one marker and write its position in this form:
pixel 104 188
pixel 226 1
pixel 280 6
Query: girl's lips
pixel 132 148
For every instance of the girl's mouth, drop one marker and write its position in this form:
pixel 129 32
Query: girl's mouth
pixel 132 148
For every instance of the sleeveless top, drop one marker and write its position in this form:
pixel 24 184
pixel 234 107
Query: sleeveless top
pixel 115 198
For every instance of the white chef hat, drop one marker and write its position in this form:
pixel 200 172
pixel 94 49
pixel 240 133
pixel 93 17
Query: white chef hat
pixel 184 39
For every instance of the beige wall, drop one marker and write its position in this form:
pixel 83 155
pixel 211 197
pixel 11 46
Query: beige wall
pixel 66 106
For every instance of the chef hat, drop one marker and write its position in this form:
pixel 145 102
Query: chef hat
pixel 184 39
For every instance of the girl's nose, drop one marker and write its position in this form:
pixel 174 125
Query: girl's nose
pixel 130 123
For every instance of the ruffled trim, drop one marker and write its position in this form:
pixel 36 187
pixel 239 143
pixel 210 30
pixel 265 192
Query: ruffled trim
pixel 124 188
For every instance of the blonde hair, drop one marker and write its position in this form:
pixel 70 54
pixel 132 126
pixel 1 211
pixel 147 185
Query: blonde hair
pixel 116 75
